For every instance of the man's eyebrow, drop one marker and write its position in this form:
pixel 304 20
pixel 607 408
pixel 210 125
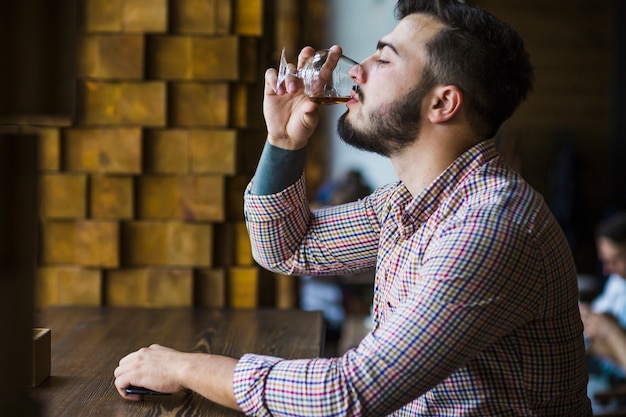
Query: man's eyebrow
pixel 382 44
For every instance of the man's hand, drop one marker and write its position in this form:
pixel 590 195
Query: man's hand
pixel 290 116
pixel 169 371
pixel 155 367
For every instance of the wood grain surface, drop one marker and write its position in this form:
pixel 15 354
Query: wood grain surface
pixel 87 344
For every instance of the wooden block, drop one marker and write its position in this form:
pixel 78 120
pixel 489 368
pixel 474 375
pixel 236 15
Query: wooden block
pixel 145 243
pixel 286 291
pixel 97 243
pixel 145 15
pixel 213 151
pixel 249 17
pixel 170 57
pixel 235 188
pixel 79 287
pixel 223 253
pixel 249 147
pixel 217 58
pixel 81 150
pixel 125 287
pixel 149 287
pixel 210 288
pixel 120 151
pixel 125 15
pixel 58 242
pixel 167 243
pixel 234 248
pixel 239 105
pixel 42 355
pixel 190 244
pixel 111 197
pixel 288 26
pixel 243 288
pixel 82 242
pixel 196 104
pixel 224 16
pixel 49 149
pixel 198 151
pixel 245 107
pixel 103 150
pixel 202 198
pixel 243 248
pixel 102 15
pixel 122 103
pixel 55 286
pixel 166 151
pixel 193 16
pixel 63 196
pixel 188 197
pixel 170 288
pixel 226 58
pixel 209 17
pixel 249 57
pixel 111 56
pixel 158 197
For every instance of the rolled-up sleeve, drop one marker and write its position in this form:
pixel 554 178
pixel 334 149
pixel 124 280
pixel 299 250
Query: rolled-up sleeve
pixel 249 383
pixel 312 387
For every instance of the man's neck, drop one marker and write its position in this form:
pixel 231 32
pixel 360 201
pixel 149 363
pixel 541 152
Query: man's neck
pixel 422 161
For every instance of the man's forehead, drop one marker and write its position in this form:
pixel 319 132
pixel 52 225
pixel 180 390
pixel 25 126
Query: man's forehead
pixel 412 30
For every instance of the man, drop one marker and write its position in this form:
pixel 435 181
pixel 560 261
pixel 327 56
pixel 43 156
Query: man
pixel 475 307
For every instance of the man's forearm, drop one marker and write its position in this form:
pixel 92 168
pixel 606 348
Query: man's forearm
pixel 278 169
pixel 212 377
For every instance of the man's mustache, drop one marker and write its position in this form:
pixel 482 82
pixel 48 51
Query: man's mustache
pixel 359 93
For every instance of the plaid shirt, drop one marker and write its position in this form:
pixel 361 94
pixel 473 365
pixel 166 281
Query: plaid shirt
pixel 475 308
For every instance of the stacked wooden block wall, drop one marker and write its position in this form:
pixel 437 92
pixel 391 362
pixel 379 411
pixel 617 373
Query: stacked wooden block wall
pixel 141 194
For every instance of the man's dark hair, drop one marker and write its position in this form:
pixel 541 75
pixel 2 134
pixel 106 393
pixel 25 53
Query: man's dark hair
pixel 481 55
pixel 613 228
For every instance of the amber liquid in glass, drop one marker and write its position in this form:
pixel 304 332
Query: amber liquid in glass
pixel 329 100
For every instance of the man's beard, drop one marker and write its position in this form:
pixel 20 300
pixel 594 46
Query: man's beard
pixel 391 127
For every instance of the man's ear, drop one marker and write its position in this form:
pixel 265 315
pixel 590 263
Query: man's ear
pixel 446 103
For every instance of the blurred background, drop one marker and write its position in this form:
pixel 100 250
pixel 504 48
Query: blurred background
pixel 146 121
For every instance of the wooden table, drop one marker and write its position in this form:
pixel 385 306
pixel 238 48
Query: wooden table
pixel 87 344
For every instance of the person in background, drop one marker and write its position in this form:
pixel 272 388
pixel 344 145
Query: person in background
pixel 604 319
pixel 475 306
pixel 611 248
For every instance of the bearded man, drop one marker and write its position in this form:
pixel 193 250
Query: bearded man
pixel 475 301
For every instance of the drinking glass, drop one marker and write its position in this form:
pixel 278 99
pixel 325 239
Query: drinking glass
pixel 324 75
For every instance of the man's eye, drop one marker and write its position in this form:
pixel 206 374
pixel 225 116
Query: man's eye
pixel 382 61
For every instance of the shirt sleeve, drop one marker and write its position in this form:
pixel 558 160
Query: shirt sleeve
pixel 458 305
pixel 269 386
pixel 288 238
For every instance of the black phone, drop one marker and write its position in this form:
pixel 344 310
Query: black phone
pixel 143 391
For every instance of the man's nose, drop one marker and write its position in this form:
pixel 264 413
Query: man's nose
pixel 357 73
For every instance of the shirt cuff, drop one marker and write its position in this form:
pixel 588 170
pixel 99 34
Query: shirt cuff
pixel 261 208
pixel 249 378
pixel 277 169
